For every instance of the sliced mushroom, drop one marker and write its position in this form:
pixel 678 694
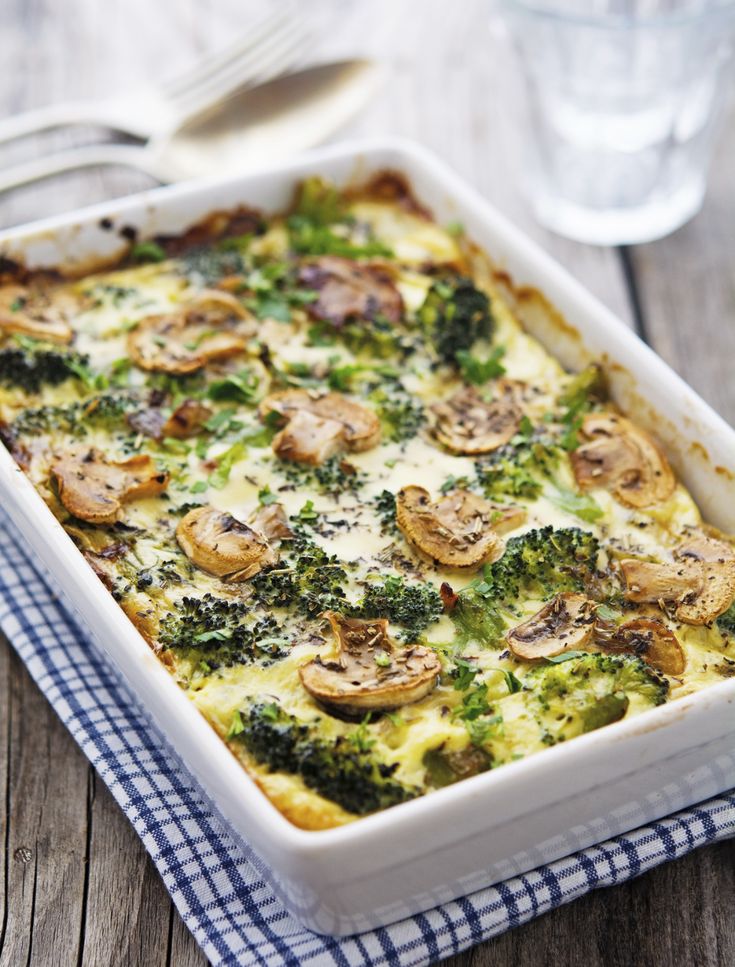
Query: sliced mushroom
pixel 94 488
pixel 220 544
pixel 214 325
pixel 648 639
pixel 272 523
pixel 716 561
pixel 370 672
pixel 467 423
pixel 701 547
pixel 317 427
pixel 566 623
pixel 41 320
pixel 699 583
pixel 617 455
pixel 187 420
pixel 350 290
pixel 308 438
pixel 460 529
pixel 647 581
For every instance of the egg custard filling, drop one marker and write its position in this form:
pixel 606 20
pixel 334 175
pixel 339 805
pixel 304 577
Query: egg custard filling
pixel 376 533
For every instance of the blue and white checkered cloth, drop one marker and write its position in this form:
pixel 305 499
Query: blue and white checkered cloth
pixel 214 882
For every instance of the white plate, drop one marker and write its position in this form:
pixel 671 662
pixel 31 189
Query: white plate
pixel 498 824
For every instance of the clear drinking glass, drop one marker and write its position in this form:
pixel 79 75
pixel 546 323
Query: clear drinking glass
pixel 624 99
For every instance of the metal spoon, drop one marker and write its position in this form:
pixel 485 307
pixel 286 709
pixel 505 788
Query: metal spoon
pixel 247 130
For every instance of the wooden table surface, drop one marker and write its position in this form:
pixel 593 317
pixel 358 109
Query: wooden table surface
pixel 77 886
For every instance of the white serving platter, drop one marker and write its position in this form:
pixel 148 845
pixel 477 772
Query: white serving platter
pixel 495 825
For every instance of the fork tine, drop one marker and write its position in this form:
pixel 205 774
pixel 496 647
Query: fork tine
pixel 274 57
pixel 257 33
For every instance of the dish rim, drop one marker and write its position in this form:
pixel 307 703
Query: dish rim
pixel 287 836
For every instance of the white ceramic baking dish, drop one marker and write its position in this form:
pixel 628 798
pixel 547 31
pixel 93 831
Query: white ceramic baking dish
pixel 495 825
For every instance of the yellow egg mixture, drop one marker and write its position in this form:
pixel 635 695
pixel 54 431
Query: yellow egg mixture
pixel 378 535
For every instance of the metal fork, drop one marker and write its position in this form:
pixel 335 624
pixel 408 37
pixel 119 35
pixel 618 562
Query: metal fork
pixel 269 48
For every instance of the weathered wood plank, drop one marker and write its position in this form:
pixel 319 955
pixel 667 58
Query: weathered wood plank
pixel 6 670
pixel 116 910
pixel 128 910
pixel 45 829
pixel 687 285
pixel 183 950
pixel 673 915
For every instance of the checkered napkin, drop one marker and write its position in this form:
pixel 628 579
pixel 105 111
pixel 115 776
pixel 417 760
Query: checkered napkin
pixel 214 881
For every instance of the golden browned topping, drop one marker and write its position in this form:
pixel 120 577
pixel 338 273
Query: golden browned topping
pixel 699 584
pixel 220 544
pixel 23 312
pixel 370 672
pixel 468 423
pixel 212 326
pixel 460 529
pixel 94 488
pixel 648 639
pixel 318 426
pixel 566 623
pixel 619 456
pixel 350 290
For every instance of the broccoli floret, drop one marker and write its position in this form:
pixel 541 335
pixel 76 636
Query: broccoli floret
pixel 30 369
pixel 376 338
pixel 514 470
pixel 100 412
pixel 415 606
pixel 335 475
pixel 561 699
pixel 455 315
pixel 401 415
pixel 337 769
pixel 539 563
pixel 592 690
pixel 726 621
pixel 385 508
pixel 220 632
pixel 544 562
pixel 207 264
pixel 306 578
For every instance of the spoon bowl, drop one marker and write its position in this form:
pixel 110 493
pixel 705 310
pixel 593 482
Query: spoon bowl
pixel 253 127
pixel 247 130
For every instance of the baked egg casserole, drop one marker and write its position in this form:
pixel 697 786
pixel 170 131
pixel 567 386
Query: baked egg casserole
pixel 377 534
